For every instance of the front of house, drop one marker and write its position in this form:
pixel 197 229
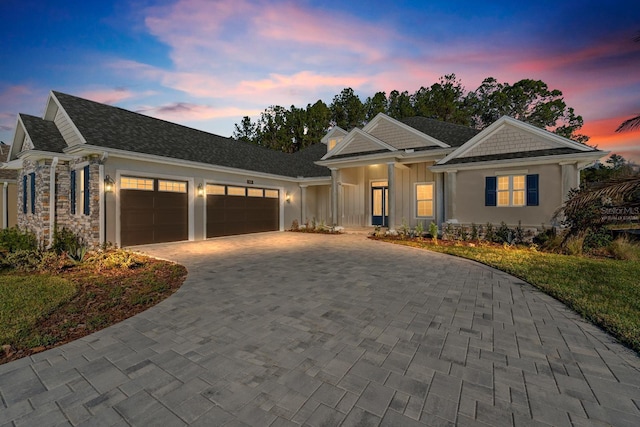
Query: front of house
pixel 111 175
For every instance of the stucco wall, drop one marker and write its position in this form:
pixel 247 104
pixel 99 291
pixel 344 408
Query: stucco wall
pixel 469 198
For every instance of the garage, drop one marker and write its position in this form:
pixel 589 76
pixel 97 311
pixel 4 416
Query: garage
pixel 234 210
pixel 153 210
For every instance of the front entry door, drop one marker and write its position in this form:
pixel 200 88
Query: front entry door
pixel 380 206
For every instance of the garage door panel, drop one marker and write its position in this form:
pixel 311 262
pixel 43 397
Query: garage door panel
pixel 152 216
pixel 230 215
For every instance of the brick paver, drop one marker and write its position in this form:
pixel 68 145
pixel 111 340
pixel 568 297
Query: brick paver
pixel 289 329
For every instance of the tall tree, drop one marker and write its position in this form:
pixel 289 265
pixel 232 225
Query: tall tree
pixel 634 122
pixel 400 105
pixel 374 106
pixel 318 122
pixel 272 131
pixel 246 131
pixel 444 101
pixel 347 111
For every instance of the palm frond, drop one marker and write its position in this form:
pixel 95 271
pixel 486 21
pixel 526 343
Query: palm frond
pixel 631 124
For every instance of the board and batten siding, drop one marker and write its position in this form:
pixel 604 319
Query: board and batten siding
pixel 66 129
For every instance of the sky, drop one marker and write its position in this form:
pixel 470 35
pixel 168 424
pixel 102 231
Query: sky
pixel 207 63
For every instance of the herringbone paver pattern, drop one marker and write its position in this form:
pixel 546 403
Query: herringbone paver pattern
pixel 287 329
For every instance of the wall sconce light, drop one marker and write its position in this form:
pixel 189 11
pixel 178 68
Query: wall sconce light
pixel 200 191
pixel 287 197
pixel 109 185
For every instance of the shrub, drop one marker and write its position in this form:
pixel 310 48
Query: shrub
pixel 419 229
pixel 13 239
pixel 596 239
pixel 403 230
pixel 115 259
pixel 623 249
pixel 474 232
pixel 573 245
pixel 504 234
pixel 433 231
pixel 294 225
pixel 25 259
pixel 489 234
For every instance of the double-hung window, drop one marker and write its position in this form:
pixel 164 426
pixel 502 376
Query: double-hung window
pixel 511 190
pixel 424 200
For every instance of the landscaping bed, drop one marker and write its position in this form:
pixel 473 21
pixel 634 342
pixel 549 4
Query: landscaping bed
pixel 69 299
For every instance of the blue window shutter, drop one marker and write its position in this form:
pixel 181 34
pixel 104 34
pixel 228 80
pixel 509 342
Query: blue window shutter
pixel 73 192
pixel 33 192
pixel 533 192
pixel 490 194
pixel 87 204
pixel 24 194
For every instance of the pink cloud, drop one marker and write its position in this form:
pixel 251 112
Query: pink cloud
pixel 107 96
pixel 184 111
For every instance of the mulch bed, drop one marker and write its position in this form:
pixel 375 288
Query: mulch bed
pixel 105 296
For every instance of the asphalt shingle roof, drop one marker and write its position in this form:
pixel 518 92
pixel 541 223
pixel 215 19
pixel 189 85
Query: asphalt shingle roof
pixel 43 133
pixel 117 128
pixel 8 174
pixel 516 155
pixel 449 133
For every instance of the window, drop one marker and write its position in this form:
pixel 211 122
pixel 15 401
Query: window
pixel 272 194
pixel 332 143
pixel 424 200
pixel 236 191
pixel 511 190
pixel 380 183
pixel 80 190
pixel 129 183
pixel 215 190
pixel 172 186
pixel 32 177
pixel 254 192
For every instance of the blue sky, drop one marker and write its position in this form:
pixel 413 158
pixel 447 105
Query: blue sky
pixel 206 63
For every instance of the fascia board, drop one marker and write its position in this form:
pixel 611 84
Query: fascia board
pixel 592 156
pixel 86 149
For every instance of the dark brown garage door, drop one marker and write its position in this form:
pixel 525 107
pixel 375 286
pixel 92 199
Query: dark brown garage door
pixel 241 210
pixel 153 211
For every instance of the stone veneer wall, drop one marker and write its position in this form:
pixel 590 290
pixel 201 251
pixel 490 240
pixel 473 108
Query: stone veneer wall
pixel 86 226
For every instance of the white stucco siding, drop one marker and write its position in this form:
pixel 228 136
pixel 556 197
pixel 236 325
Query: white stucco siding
pixel 396 136
pixel 469 197
pixel 66 129
pixel 509 139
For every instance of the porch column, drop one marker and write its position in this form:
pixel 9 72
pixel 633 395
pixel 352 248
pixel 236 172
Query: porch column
pixel 439 199
pixel 303 204
pixel 450 212
pixel 391 182
pixel 570 178
pixel 335 176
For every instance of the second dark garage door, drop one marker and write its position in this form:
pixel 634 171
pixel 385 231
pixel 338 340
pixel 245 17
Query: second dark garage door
pixel 241 210
pixel 153 211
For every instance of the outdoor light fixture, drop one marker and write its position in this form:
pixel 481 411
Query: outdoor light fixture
pixel 108 184
pixel 288 198
pixel 200 190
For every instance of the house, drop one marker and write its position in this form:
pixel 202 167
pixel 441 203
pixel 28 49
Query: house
pixel 112 175
pixel 8 179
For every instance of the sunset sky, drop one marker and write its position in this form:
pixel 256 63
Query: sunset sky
pixel 207 63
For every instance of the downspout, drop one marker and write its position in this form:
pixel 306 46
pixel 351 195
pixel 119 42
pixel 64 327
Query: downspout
pixel 52 200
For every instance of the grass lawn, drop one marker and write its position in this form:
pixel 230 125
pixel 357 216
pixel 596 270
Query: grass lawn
pixel 604 291
pixel 24 299
pixel 66 301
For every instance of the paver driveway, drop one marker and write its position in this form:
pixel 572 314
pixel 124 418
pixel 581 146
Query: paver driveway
pixel 287 328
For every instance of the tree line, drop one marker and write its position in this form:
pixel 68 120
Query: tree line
pixel 528 100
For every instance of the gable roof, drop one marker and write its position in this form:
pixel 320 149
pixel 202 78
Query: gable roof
pixel 400 135
pixel 44 134
pixel 334 132
pixel 6 174
pixel 508 138
pixel 358 142
pixel 113 127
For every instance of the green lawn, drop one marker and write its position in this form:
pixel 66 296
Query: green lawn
pixel 24 299
pixel 604 291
